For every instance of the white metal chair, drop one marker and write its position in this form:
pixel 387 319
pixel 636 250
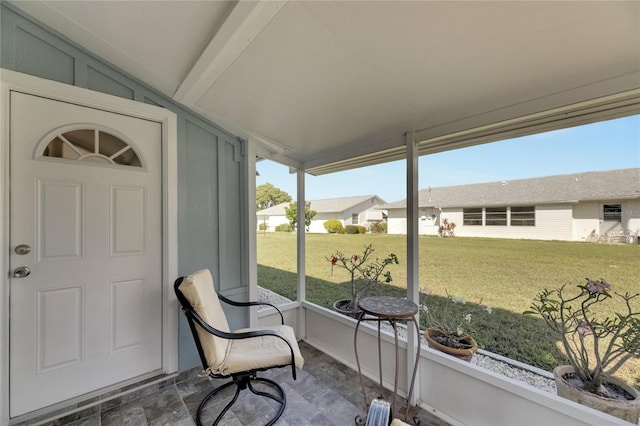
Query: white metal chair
pixel 241 354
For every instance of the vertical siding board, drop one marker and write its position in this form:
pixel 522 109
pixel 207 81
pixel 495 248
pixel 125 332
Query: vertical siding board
pixel 34 56
pixel 28 47
pixel 200 213
pixel 101 82
pixel 7 41
pixel 230 241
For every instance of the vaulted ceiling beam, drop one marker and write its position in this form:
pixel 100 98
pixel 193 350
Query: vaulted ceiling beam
pixel 246 20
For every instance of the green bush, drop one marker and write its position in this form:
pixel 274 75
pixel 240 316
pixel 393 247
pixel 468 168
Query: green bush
pixel 378 228
pixel 263 226
pixel 333 226
pixel 351 229
pixel 362 229
pixel 285 227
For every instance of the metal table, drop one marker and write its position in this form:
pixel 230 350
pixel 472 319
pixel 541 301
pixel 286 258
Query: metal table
pixel 391 309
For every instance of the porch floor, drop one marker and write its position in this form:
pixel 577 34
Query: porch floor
pixel 325 393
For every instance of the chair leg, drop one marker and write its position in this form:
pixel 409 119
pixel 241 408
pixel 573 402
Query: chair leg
pixel 244 382
pixel 280 397
pixel 211 395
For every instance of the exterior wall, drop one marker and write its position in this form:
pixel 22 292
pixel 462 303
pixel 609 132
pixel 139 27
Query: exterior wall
pixel 553 222
pixel 397 221
pixel 428 221
pixel 586 221
pixel 317 224
pixel 631 216
pixel 272 222
pixel 211 164
pixel 589 222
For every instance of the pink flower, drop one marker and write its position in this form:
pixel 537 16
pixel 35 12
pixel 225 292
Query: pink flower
pixel 598 286
pixel 584 328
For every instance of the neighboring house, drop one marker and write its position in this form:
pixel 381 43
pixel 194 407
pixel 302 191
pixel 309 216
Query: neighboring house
pixel 359 210
pixel 574 207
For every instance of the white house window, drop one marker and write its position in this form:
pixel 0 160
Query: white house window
pixel 612 212
pixel 472 216
pixel 354 219
pixel 92 145
pixel 496 216
pixel 523 216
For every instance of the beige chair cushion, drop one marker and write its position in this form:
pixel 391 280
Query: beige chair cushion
pixel 261 352
pixel 198 289
pixel 398 422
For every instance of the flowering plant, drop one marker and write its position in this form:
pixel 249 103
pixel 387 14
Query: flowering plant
pixel 596 348
pixel 452 318
pixel 363 275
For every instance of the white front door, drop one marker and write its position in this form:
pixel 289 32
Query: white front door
pixel 86 220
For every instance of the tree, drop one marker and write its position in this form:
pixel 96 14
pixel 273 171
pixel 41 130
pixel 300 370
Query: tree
pixel 268 195
pixel 292 214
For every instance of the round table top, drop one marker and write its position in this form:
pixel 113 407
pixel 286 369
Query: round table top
pixel 388 307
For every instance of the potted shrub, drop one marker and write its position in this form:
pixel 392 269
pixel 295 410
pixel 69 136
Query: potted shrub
pixel 595 347
pixel 364 273
pixel 448 325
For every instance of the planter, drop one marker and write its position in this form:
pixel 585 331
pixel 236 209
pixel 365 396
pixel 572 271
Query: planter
pixel 626 409
pixel 342 307
pixel 432 335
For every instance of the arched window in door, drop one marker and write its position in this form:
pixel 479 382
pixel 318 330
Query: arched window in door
pixel 95 145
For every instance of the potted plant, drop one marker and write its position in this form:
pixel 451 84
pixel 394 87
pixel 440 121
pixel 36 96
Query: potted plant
pixel 448 325
pixel 595 347
pixel 364 273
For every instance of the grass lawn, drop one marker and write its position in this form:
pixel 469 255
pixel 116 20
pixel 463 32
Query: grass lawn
pixel 505 274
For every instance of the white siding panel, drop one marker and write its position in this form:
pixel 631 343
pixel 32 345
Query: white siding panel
pixel 631 216
pixel 586 223
pixel 397 221
pixel 553 222
pixel 317 224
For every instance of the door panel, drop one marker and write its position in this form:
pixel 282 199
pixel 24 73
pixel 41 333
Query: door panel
pixel 89 315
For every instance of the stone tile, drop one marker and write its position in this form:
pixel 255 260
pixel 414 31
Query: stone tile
pixel 93 420
pixel 326 393
pixel 163 406
pixel 133 414
pixel 194 385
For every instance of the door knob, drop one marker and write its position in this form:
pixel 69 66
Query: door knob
pixel 21 272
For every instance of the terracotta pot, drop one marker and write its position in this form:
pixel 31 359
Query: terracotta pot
pixel 628 410
pixel 342 306
pixel 465 354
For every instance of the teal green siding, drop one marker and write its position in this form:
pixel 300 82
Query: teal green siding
pixel 211 162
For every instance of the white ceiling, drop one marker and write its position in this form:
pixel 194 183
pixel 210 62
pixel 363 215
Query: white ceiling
pixel 318 81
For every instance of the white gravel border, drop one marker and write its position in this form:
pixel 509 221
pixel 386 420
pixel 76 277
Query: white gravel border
pixel 528 374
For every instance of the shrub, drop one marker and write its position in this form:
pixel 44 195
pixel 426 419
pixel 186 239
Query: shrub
pixel 263 226
pixel 285 227
pixel 362 229
pixel 334 226
pixel 351 229
pixel 446 229
pixel 378 228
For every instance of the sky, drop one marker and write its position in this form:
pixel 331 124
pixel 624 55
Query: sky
pixel 607 145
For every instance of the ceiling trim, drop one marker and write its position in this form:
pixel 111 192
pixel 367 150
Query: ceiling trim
pixel 605 108
pixel 245 21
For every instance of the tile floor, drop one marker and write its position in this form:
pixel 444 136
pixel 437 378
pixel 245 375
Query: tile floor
pixel 325 393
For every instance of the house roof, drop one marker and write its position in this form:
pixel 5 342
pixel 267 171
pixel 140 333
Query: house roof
pixel 314 83
pixel 329 205
pixel 608 185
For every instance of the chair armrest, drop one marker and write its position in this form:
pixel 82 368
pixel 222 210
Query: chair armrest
pixel 234 303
